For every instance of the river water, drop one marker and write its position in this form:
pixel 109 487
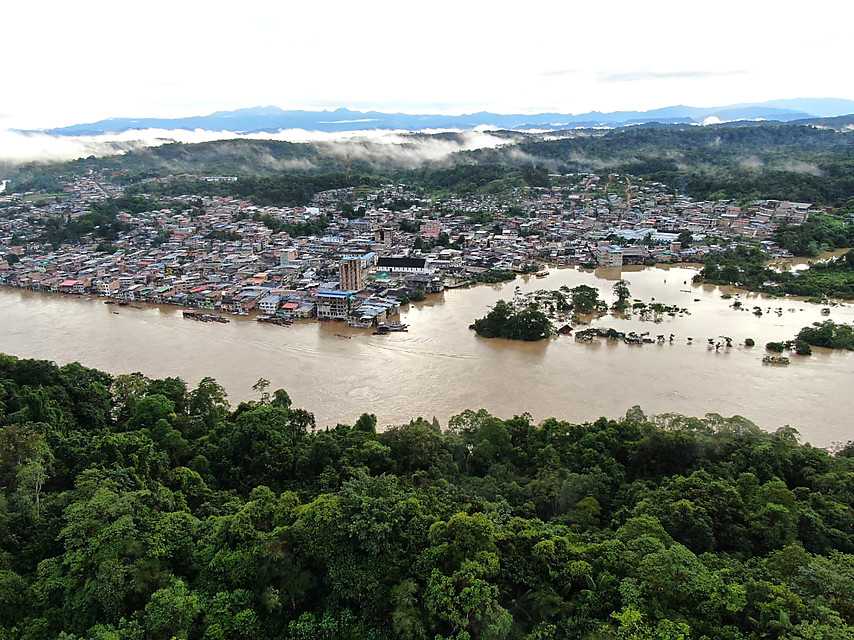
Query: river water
pixel 440 367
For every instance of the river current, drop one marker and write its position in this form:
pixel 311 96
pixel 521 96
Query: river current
pixel 440 367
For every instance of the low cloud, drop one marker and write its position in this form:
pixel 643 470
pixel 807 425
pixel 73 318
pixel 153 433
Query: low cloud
pixel 751 163
pixel 411 150
pixel 754 163
pixel 799 166
pixel 636 76
pixel 406 148
pixel 592 164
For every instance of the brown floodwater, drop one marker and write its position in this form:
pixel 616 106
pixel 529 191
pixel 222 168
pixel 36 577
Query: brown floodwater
pixel 440 367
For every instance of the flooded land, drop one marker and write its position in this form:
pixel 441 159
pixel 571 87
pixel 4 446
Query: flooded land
pixel 440 367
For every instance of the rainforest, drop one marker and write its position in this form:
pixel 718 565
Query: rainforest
pixel 142 508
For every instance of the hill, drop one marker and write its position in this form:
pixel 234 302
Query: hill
pixel 740 161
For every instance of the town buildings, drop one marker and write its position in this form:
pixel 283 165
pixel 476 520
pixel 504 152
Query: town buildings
pixel 224 253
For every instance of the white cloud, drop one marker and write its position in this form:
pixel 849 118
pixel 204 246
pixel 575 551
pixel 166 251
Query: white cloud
pixel 405 147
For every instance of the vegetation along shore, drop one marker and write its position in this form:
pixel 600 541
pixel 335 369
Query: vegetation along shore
pixel 139 508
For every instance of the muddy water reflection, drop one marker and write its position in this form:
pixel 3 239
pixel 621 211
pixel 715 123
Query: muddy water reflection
pixel 440 367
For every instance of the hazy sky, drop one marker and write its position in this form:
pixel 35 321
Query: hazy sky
pixel 69 62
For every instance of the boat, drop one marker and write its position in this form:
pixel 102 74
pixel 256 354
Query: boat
pixel 776 359
pixel 393 326
pixel 204 317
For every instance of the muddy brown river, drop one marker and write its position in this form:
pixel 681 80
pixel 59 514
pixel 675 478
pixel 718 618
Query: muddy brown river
pixel 440 367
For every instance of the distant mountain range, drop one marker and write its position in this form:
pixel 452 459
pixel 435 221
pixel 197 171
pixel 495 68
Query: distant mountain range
pixel 271 119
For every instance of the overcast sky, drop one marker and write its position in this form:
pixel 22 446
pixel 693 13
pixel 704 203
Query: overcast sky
pixel 70 62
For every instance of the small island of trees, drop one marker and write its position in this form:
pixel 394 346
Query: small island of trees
pixel 827 334
pixel 507 321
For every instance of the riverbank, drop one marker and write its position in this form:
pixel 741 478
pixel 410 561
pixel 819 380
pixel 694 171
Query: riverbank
pixel 828 278
pixel 440 367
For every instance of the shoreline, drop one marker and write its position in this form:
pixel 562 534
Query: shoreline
pixel 440 367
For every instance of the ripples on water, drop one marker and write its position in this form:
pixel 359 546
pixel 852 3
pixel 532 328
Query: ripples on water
pixel 440 367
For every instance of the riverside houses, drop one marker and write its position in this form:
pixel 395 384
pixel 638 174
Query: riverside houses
pixel 217 252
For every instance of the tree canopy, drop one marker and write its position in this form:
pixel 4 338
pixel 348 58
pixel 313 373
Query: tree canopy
pixel 140 508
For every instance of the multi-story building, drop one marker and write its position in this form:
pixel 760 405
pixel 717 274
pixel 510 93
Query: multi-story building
pixel 351 274
pixel 334 305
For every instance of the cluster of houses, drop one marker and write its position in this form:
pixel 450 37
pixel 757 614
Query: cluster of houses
pixel 222 253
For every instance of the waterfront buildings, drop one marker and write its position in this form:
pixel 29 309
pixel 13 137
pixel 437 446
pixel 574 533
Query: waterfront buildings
pixel 226 253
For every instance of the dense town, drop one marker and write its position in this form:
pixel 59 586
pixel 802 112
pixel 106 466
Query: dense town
pixel 378 249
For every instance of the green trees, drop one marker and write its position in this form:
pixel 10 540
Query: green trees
pixel 505 321
pixel 828 334
pixel 495 275
pixel 802 348
pixel 208 401
pixel 585 300
pixel 821 231
pixel 745 267
pixel 165 514
pixel 623 295
pixel 460 593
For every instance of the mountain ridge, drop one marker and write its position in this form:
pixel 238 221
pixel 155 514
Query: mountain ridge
pixel 272 118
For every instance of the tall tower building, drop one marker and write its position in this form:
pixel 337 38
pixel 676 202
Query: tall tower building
pixel 351 275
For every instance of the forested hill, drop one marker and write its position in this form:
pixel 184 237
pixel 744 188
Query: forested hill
pixel 797 162
pixel 739 161
pixel 136 508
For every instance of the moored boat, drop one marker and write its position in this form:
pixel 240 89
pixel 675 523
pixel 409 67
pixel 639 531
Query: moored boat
pixel 393 326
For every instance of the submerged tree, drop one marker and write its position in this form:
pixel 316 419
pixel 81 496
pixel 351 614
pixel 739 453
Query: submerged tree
pixel 505 321
pixel 623 295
